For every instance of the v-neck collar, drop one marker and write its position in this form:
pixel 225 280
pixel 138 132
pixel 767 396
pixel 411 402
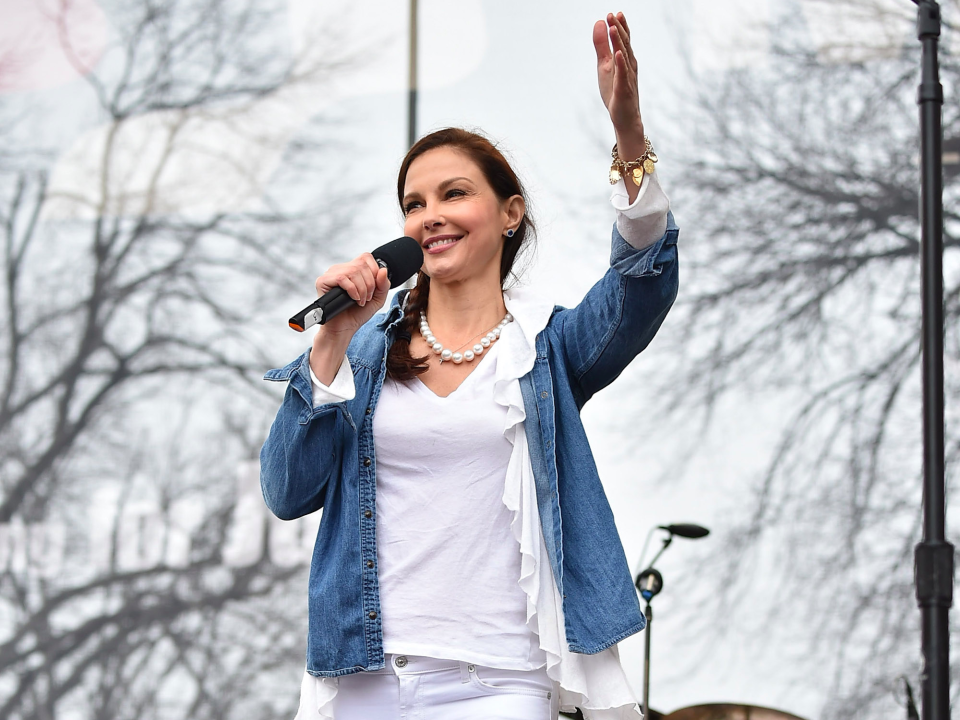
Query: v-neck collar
pixel 488 358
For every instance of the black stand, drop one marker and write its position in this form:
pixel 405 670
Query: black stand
pixel 933 559
pixel 649 583
pixel 648 612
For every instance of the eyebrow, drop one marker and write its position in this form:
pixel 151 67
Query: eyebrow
pixel 444 184
pixel 451 181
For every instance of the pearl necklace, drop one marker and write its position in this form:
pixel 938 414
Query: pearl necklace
pixel 468 355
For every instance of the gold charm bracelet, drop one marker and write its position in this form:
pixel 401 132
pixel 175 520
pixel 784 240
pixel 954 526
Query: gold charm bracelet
pixel 634 169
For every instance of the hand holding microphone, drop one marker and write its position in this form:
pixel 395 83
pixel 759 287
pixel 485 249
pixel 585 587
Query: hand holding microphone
pixel 359 283
pixel 358 287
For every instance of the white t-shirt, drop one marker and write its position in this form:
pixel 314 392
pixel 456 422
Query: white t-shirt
pixel 448 564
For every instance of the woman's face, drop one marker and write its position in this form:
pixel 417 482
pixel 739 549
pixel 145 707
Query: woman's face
pixel 453 212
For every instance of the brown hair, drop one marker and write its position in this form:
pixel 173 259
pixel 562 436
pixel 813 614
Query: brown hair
pixel 505 183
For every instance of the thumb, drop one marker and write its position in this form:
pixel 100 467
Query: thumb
pixel 383 286
pixel 601 40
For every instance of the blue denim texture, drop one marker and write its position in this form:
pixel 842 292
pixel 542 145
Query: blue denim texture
pixel 324 458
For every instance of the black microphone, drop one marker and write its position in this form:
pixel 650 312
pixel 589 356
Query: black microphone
pixel 401 257
pixel 687 530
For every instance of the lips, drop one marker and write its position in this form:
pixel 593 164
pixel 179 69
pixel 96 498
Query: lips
pixel 439 243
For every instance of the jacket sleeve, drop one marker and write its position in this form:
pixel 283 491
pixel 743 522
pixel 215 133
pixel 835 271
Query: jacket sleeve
pixel 304 451
pixel 621 313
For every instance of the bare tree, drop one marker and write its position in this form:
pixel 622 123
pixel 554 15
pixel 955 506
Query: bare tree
pixel 137 270
pixel 801 238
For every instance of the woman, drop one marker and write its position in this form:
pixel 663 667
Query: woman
pixel 467 564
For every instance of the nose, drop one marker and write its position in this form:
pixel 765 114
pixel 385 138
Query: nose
pixel 431 218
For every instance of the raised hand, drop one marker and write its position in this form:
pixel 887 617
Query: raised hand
pixel 617 71
pixel 619 87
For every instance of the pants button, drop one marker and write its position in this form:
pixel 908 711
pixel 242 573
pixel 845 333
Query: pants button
pixel 471 668
pixel 401 661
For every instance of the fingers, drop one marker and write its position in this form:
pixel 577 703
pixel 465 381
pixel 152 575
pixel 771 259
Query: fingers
pixel 623 77
pixel 360 278
pixel 622 19
pixel 619 48
pixel 620 37
pixel 354 288
pixel 622 45
pixel 620 22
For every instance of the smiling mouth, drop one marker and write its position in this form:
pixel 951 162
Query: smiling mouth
pixel 441 243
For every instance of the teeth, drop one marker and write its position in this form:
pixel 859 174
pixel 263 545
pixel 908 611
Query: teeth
pixel 438 243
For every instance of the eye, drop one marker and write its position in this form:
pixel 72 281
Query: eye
pixel 455 192
pixel 411 206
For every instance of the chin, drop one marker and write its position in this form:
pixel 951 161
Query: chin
pixel 443 277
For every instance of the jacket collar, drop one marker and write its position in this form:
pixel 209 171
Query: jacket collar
pixel 395 311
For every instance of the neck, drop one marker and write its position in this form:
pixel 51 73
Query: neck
pixel 457 312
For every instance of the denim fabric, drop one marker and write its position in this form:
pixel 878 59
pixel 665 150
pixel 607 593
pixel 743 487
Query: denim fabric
pixel 324 458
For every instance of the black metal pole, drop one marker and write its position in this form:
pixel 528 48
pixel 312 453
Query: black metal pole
pixel 412 79
pixel 933 559
pixel 648 611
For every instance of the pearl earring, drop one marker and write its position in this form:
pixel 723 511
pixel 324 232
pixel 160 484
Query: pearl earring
pixel 509 233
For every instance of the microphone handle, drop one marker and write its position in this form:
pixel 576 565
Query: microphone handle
pixel 334 303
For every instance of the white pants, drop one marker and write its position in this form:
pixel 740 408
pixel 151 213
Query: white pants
pixel 420 688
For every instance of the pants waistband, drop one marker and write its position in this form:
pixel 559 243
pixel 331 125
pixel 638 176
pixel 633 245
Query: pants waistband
pixel 420 665
pixel 417 664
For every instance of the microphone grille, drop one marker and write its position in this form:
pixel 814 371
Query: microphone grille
pixel 402 258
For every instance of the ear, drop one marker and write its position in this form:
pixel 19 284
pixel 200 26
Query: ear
pixel 513 211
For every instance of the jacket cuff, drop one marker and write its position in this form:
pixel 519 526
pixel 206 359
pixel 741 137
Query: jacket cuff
pixel 646 262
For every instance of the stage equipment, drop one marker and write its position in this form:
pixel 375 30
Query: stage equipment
pixel 649 583
pixel 933 558
pixel 687 530
pixel 729 711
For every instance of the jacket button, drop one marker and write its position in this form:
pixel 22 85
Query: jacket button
pixel 372 615
pixel 370 563
pixel 544 394
pixel 367 514
pixel 368 411
pixel 367 462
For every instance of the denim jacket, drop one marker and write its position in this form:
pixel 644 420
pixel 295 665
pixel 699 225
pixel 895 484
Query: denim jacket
pixel 324 457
